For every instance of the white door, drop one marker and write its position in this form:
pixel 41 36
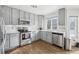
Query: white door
pixel 72 28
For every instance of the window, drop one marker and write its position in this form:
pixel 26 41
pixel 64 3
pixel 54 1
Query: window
pixel 52 23
pixel 73 26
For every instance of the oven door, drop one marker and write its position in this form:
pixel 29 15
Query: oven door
pixel 26 38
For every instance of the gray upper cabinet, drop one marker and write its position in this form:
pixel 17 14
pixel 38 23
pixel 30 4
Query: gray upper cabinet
pixel 5 12
pixel 32 19
pixel 40 20
pixel 22 14
pixel 36 20
pixel 0 11
pixel 27 16
pixel 62 17
pixel 15 16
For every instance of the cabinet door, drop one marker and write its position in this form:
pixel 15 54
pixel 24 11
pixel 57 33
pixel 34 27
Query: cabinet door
pixel 6 14
pixel 0 10
pixel 22 14
pixel 7 43
pixel 62 17
pixel 60 41
pixel 37 35
pixel 15 16
pixel 14 40
pixel 55 39
pixel 32 19
pixel 44 35
pixel 49 37
pixel 40 35
pixel 33 36
pixel 36 20
pixel 37 32
pixel 27 16
pixel 40 20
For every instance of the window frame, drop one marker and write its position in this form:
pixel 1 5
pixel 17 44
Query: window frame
pixel 52 18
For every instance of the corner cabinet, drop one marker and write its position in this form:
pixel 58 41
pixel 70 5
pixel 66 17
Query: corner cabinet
pixel 46 36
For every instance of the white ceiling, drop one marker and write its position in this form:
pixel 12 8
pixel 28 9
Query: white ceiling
pixel 42 9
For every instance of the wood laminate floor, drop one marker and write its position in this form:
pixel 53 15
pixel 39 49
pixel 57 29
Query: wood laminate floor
pixel 38 47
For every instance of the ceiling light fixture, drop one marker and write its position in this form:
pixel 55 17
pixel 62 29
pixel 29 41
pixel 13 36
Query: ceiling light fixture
pixel 34 6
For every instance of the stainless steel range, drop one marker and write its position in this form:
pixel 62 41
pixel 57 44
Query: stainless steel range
pixel 24 36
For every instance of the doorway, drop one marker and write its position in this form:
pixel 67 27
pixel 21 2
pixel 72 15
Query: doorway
pixel 73 29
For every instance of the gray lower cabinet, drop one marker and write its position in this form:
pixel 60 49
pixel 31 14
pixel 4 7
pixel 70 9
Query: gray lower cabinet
pixel 14 40
pixel 44 35
pixel 37 35
pixel 49 37
pixel 6 46
pixel 15 16
pixel 33 35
